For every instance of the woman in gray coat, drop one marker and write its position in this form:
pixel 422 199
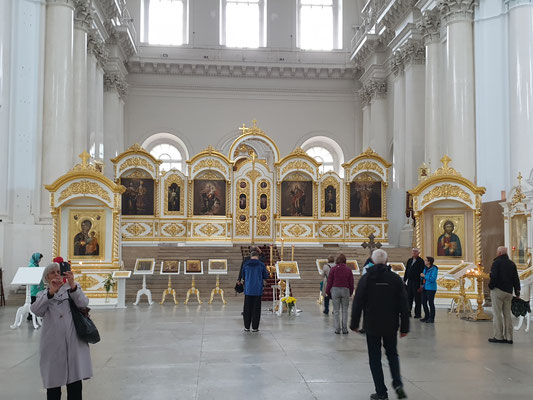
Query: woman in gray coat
pixel 65 358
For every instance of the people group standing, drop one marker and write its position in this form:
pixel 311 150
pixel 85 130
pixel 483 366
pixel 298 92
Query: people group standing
pixel 429 280
pixel 340 287
pixel 414 267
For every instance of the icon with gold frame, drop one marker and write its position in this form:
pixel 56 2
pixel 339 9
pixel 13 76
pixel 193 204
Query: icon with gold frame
pixel 170 267
pixel 217 267
pixel 144 266
pixel 86 234
pixel 320 262
pixel 193 267
pixel 287 270
pixel 397 267
pixel 449 236
pixel 354 266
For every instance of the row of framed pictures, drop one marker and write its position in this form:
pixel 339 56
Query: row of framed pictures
pixel 399 268
pixel 146 266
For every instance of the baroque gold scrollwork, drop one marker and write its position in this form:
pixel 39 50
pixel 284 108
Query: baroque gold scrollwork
pixel 210 163
pixel 297 164
pixel 136 162
pixel 446 190
pixel 84 187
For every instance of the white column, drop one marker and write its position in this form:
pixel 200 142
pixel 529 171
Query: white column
pixel 5 59
pixel 364 95
pixel 461 134
pixel 379 135
pixel 58 95
pixel 114 86
pixel 91 101
pixel 435 147
pixel 81 26
pixel 521 86
pixel 414 58
pixel 398 129
pixel 99 113
pixel 96 58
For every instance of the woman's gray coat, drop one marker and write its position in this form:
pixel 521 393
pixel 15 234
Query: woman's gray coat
pixel 64 357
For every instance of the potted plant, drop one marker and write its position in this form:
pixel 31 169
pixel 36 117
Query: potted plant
pixel 109 284
pixel 290 302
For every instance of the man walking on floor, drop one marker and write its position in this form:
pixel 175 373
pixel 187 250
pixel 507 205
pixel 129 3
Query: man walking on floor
pixel 503 279
pixel 381 296
pixel 414 267
pixel 253 273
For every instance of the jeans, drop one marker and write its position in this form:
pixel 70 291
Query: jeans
pixel 374 358
pixel 341 298
pixel 428 297
pixel 73 392
pixel 501 311
pixel 413 295
pixel 326 304
pixel 252 311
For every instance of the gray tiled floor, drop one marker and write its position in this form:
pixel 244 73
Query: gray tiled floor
pixel 200 352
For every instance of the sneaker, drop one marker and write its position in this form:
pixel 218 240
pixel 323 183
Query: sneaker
pixel 255 330
pixel 376 396
pixel 337 332
pixel 494 340
pixel 246 329
pixel 400 392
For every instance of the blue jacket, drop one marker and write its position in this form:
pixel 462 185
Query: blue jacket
pixel 431 275
pixel 253 273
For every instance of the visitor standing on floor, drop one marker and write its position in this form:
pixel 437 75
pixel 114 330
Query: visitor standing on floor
pixel 65 358
pixel 382 299
pixel 325 273
pixel 414 267
pixel 429 279
pixel 253 274
pixel 340 288
pixel 35 289
pixel 503 279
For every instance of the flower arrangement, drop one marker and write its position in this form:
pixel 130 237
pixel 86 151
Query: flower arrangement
pixel 290 302
pixel 109 284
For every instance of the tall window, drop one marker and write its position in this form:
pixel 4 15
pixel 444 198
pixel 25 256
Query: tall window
pixel 243 23
pixel 164 22
pixel 323 156
pixel 320 24
pixel 170 156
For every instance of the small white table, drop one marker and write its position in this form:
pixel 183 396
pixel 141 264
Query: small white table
pixel 121 277
pixel 27 276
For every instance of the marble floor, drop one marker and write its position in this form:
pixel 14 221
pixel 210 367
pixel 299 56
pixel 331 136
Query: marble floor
pixel 201 352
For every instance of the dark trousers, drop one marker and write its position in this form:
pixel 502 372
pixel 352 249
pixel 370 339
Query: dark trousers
pixel 33 298
pixel 252 311
pixel 374 357
pixel 73 392
pixel 326 304
pixel 428 298
pixel 412 294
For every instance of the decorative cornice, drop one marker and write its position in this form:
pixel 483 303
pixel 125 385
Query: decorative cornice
pixel 373 89
pixel 83 14
pixel 114 81
pixel 242 71
pixel 96 46
pixel 414 53
pixel 457 10
pixel 429 27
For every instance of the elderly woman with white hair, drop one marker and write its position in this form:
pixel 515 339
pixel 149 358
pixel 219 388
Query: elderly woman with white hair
pixel 65 358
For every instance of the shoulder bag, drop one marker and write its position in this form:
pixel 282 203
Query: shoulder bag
pixel 85 327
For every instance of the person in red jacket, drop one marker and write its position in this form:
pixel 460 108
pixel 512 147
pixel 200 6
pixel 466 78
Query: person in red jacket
pixel 339 289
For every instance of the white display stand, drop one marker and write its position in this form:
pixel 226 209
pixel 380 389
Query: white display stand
pixel 27 276
pixel 144 290
pixel 287 277
pixel 121 277
pixel 526 283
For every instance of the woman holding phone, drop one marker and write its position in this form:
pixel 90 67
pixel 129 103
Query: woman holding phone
pixel 65 358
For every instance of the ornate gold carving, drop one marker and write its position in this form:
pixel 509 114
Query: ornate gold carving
pixel 297 176
pixel 209 229
pixel 137 173
pixel 449 284
pixel 366 230
pixel 446 190
pixel 210 163
pixel 364 177
pixel 169 180
pixel 242 228
pixel 136 229
pixel 86 281
pixel 297 230
pixel 298 151
pixel 174 229
pixel 370 152
pixel 56 232
pixel 84 187
pixel 116 236
pixel 331 230
pixel 518 196
pixel 209 175
pixel 136 162
pixel 331 181
pixel 263 227
pixel 367 166
pixel 445 169
pixel 297 164
pixel 253 175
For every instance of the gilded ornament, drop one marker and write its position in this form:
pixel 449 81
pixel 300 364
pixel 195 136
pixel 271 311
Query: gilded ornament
pixel 367 166
pixel 449 284
pixel 446 169
pixel 370 152
pixel 297 164
pixel 86 281
pixel 137 173
pixel 331 230
pixel 136 162
pixel 297 176
pixel 446 190
pixel 209 175
pixel 210 163
pixel 135 229
pixel 366 230
pixel 174 229
pixel 84 187
pixel 209 229
pixel 297 230
pixel 253 175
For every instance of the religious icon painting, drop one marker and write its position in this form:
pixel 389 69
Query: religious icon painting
pixel 365 199
pixel 354 266
pixel 287 270
pixel 210 197
pixel 449 236
pixel 398 268
pixel 330 199
pixel 170 267
pixel 519 240
pixel 194 267
pixel 297 198
pixel 173 197
pixel 217 266
pixel 320 262
pixel 86 234
pixel 138 199
pixel 144 266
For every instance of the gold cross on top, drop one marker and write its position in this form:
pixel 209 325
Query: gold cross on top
pixel 445 161
pixel 243 128
pixel 84 158
pixel 519 177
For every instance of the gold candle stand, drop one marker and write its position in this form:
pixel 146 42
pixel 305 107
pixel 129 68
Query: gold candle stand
pixel 169 291
pixel 193 290
pixel 216 290
pixel 480 314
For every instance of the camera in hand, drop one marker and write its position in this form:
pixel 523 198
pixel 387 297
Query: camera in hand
pixel 64 266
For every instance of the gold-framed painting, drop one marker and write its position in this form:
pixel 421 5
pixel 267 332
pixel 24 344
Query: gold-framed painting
pixel 449 236
pixel 366 197
pixel 320 262
pixel 138 199
pixel 209 197
pixel 193 267
pixel 397 267
pixel 519 239
pixel 217 266
pixel 170 267
pixel 121 274
pixel 86 234
pixel 354 266
pixel 174 195
pixel 144 266
pixel 297 198
pixel 287 270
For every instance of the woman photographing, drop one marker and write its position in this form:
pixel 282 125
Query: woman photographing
pixel 429 279
pixel 65 358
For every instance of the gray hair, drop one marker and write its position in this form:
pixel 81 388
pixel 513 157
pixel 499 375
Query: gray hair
pixel 379 256
pixel 415 249
pixel 502 250
pixel 49 268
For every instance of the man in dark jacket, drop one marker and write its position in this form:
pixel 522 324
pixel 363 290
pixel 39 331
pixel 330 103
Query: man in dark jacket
pixel 503 279
pixel 414 267
pixel 381 296
pixel 253 273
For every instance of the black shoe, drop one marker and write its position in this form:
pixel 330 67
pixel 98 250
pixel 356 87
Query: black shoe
pixel 344 332
pixel 400 392
pixel 376 396
pixel 418 316
pixel 494 340
pixel 337 332
pixel 246 329
pixel 255 330
pixel 430 321
pixel 326 312
pixel 424 319
pixel 362 331
pixel 508 341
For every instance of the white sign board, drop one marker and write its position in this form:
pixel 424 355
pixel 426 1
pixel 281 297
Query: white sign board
pixel 28 276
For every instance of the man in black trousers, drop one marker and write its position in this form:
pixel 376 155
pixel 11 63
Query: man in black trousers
pixel 381 296
pixel 414 267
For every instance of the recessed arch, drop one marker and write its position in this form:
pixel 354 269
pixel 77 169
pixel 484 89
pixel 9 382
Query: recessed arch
pixel 313 144
pixel 168 148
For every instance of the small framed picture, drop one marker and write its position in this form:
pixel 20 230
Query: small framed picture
pixel 320 262
pixel 217 267
pixel 144 266
pixel 170 267
pixel 397 267
pixel 354 266
pixel 121 274
pixel 193 267
pixel 287 270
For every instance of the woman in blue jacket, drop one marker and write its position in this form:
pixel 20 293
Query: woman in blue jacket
pixel 429 277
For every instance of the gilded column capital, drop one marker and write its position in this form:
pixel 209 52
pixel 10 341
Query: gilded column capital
pixel 429 27
pixel 96 46
pixel 457 10
pixel 83 15
pixel 115 81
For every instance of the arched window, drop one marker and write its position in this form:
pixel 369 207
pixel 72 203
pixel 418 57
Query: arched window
pixel 169 149
pixel 323 156
pixel 327 151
